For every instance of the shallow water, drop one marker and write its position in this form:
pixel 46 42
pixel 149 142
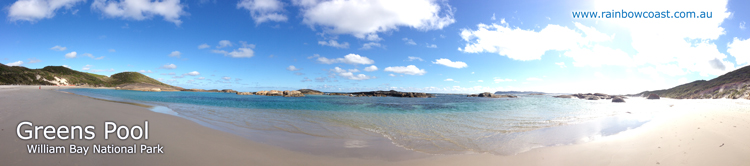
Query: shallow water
pixel 446 124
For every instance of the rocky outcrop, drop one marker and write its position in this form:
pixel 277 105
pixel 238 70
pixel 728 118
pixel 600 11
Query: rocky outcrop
pixel 491 95
pixel 244 93
pixel 592 97
pixel 653 96
pixel 228 91
pixel 563 96
pixel 618 100
pixel 145 87
pixel 310 92
pixel 391 93
pixel 293 93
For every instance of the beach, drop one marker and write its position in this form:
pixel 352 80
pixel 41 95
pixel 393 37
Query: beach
pixel 686 132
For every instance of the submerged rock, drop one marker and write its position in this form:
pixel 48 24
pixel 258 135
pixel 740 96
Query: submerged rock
pixel 491 95
pixel 563 96
pixel 618 100
pixel 244 93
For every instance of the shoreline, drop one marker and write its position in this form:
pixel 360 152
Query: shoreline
pixel 631 147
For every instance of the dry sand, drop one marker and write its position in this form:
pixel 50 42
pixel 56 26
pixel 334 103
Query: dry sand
pixel 689 133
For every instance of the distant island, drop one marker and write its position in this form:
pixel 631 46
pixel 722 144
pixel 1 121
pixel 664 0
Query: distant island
pixel 733 85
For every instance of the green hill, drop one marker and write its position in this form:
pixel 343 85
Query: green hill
pixel 46 76
pixel 732 85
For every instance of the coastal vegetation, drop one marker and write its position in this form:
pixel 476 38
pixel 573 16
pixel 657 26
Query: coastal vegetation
pixel 732 85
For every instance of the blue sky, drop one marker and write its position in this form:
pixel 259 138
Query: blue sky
pixel 419 45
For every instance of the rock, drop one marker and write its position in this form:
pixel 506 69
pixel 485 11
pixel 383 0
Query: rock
pixel 391 93
pixel 274 93
pixel 228 91
pixel 310 92
pixel 563 96
pixel 600 94
pixel 618 100
pixel 244 93
pixel 653 96
pixel 293 94
pixel 592 97
pixel 261 93
pixel 491 95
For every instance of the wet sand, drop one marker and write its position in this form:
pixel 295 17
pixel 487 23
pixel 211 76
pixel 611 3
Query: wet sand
pixel 688 133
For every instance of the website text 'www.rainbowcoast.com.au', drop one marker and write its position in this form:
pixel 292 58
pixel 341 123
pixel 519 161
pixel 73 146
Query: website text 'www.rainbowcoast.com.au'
pixel 642 14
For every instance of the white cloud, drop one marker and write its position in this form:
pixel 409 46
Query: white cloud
pixel 561 64
pixel 410 70
pixel 371 68
pixel 334 43
pixel 171 10
pixel 349 74
pixel 102 70
pixel 226 78
pixel 245 51
pixel 201 78
pixel 169 66
pixel 66 66
pixel 224 43
pixel 17 63
pixel 348 59
pixel 498 80
pixel 34 10
pixel 533 79
pixel 264 10
pixel 449 63
pixel 58 48
pixel 518 44
pixel 193 73
pixel 145 71
pixel 493 17
pixel 370 45
pixel 431 45
pixel 480 80
pixel 365 18
pixel 740 49
pixel 412 58
pixel 292 68
pixel 71 55
pixel 87 67
pixel 175 54
pixel 409 41
pixel 449 79
pixel 742 25
pixel 204 45
pixel 392 75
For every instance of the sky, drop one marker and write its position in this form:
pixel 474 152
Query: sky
pixel 405 45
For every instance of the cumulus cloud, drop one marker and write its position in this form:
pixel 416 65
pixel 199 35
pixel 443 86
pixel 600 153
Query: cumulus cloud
pixel 169 66
pixel 363 19
pixel 371 68
pixel 334 43
pixel 742 25
pixel 740 49
pixel 409 41
pixel 431 45
pixel 264 10
pixel 561 64
pixel 349 74
pixel 59 48
pixel 17 63
pixel 193 73
pixel 92 56
pixel 145 71
pixel 170 73
pixel 412 58
pixel 449 63
pixel 306 80
pixel 226 78
pixel 224 43
pixel 410 70
pixel 292 68
pixel 204 45
pixel 102 70
pixel 392 75
pixel 370 45
pixel 87 67
pixel 171 10
pixel 245 51
pixel 449 79
pixel 34 10
pixel 71 55
pixel 353 59
pixel 516 43
pixel 175 54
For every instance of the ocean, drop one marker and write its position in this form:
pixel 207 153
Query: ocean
pixel 392 126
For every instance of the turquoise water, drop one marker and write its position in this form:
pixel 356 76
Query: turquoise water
pixel 446 124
